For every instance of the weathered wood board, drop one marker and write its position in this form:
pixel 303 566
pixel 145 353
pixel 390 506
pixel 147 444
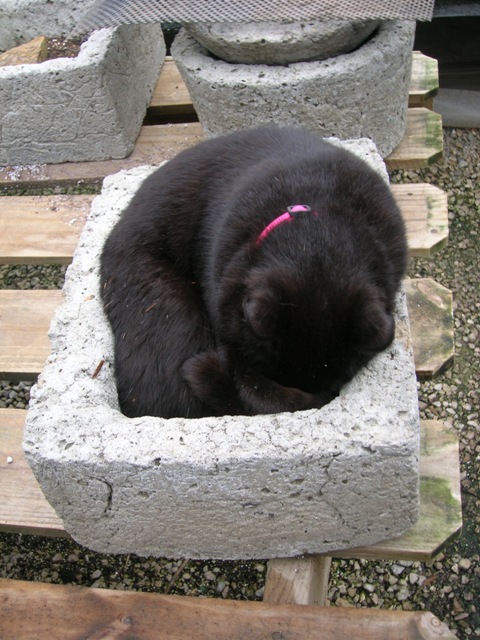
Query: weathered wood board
pixel 154 145
pixel 26 316
pixel 41 229
pixel 425 211
pixel 46 611
pixel 430 307
pixel 170 95
pixel 45 229
pixel 298 580
pixel 422 144
pixel 24 508
pixel 24 323
pixel 424 81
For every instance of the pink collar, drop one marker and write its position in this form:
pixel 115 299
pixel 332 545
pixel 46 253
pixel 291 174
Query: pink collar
pixel 292 212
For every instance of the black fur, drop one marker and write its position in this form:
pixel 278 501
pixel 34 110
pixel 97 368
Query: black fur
pixel 208 323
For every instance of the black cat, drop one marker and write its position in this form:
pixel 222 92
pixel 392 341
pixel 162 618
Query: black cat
pixel 253 273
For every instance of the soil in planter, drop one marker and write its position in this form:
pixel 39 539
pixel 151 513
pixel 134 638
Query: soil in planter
pixel 63 47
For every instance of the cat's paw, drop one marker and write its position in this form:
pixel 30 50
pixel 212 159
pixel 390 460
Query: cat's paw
pixel 208 378
pixel 262 395
pixel 203 371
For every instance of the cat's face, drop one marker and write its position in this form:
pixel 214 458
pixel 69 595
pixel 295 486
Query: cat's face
pixel 308 334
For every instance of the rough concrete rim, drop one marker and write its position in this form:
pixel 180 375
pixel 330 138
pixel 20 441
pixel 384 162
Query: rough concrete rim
pixel 91 51
pixel 281 43
pixel 337 67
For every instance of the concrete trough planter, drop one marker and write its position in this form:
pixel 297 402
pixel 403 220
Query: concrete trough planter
pixel 363 93
pixel 86 108
pixel 234 487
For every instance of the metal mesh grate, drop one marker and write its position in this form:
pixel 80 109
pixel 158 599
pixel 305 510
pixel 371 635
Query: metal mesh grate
pixel 106 13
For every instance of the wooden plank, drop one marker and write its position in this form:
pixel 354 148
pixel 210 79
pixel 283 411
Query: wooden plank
pixel 24 508
pixel 298 580
pixel 41 229
pixel 424 81
pixel 425 211
pixel 431 321
pixel 45 229
pixel 154 145
pixel 45 611
pixel 170 94
pixel 422 144
pixel 440 502
pixel 24 320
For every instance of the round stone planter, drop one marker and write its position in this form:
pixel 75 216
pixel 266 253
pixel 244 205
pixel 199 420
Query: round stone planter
pixel 363 93
pixel 231 487
pixel 86 108
pixel 280 42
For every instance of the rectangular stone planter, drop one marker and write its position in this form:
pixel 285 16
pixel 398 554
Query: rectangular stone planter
pixel 231 487
pixel 86 108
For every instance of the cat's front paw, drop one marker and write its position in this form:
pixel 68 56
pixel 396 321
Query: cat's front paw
pixel 203 370
pixel 208 378
pixel 263 395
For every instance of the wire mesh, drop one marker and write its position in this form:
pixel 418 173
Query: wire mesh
pixel 106 13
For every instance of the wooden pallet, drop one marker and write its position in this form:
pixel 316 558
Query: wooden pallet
pixel 422 145
pixel 45 230
pixel 430 305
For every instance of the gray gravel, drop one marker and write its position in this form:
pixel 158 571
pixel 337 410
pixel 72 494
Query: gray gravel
pixel 449 586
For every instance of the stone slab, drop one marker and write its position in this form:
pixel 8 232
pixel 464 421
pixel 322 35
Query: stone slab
pixel 359 94
pixel 281 43
pixel 86 108
pixel 231 487
pixel 29 53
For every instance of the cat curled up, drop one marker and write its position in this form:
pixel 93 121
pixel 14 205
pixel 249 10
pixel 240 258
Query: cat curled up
pixel 253 273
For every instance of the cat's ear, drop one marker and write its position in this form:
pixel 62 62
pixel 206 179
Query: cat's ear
pixel 376 326
pixel 260 309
